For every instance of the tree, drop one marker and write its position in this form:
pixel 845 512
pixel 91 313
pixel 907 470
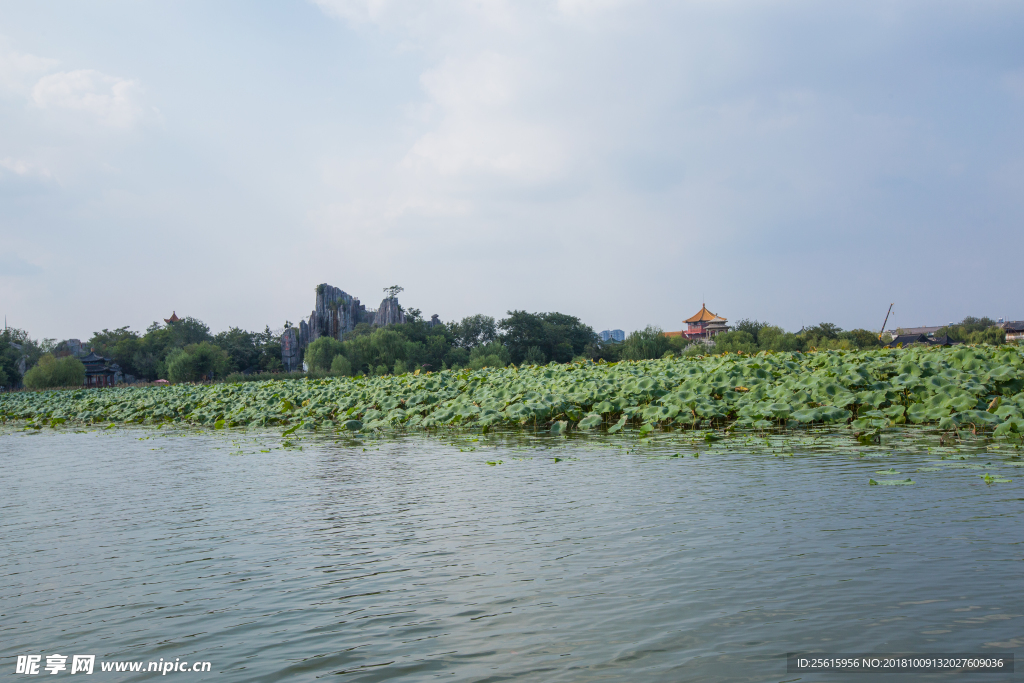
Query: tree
pixel 822 331
pixel 341 366
pixel 393 291
pixel 751 327
pixel 863 339
pixel 474 330
pixel 774 338
pixel 52 372
pixel 241 346
pixel 321 352
pixel 519 332
pixel 196 362
pixel 543 337
pixel 645 344
pixel 734 341
pixel 189 331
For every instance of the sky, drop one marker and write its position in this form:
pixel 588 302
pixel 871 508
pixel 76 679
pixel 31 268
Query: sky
pixel 622 161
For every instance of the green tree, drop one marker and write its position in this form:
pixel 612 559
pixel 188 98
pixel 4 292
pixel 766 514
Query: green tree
pixel 861 338
pixel 972 330
pixel 242 347
pixel 492 355
pixel 751 327
pixel 188 331
pixel 341 366
pixel 774 338
pixel 120 345
pixel 734 341
pixel 474 330
pixel 197 361
pixel 540 337
pixel 645 344
pixel 321 353
pixel 52 372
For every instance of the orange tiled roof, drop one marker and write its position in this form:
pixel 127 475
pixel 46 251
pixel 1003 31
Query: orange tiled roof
pixel 680 333
pixel 704 315
pixel 173 319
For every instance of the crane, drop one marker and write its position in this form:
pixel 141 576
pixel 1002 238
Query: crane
pixel 886 321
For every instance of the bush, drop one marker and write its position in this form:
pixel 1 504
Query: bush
pixel 646 344
pixel 196 362
pixel 695 349
pixel 399 368
pixel 52 372
pixel 341 366
pixel 492 361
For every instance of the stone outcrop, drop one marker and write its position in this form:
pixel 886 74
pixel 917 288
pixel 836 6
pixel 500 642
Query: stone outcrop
pixel 336 313
pixel 389 313
pixel 290 350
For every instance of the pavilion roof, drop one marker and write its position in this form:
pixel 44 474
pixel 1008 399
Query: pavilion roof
pixel 173 319
pixel 704 315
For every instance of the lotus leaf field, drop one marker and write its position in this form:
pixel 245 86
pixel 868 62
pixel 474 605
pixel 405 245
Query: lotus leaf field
pixel 866 392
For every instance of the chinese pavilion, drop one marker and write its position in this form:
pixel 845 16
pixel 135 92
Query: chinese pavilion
pixel 702 325
pixel 97 372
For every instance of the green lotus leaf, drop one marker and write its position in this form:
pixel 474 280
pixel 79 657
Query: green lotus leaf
pixel 891 482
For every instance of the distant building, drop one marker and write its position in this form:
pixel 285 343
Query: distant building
pixel 612 335
pixel 173 319
pixel 98 373
pixel 702 325
pixel 1014 330
pixel 927 331
pixel 904 340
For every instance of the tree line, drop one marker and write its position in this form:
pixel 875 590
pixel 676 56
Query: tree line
pixel 186 350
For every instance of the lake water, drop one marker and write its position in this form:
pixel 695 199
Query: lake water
pixel 412 559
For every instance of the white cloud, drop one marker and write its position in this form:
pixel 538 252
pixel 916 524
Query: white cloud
pixel 353 10
pixel 18 71
pixel 482 126
pixel 111 100
pixel 24 168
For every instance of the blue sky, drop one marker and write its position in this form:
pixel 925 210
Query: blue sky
pixel 618 160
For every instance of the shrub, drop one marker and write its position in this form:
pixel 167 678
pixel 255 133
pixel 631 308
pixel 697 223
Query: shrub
pixel 53 372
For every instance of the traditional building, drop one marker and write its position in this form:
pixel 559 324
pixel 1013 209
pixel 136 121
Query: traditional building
pixel 173 319
pixel 702 325
pixel 904 340
pixel 98 373
pixel 1014 330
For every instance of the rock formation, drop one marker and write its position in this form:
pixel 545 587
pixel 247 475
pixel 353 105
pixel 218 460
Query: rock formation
pixel 389 313
pixel 335 314
pixel 290 350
